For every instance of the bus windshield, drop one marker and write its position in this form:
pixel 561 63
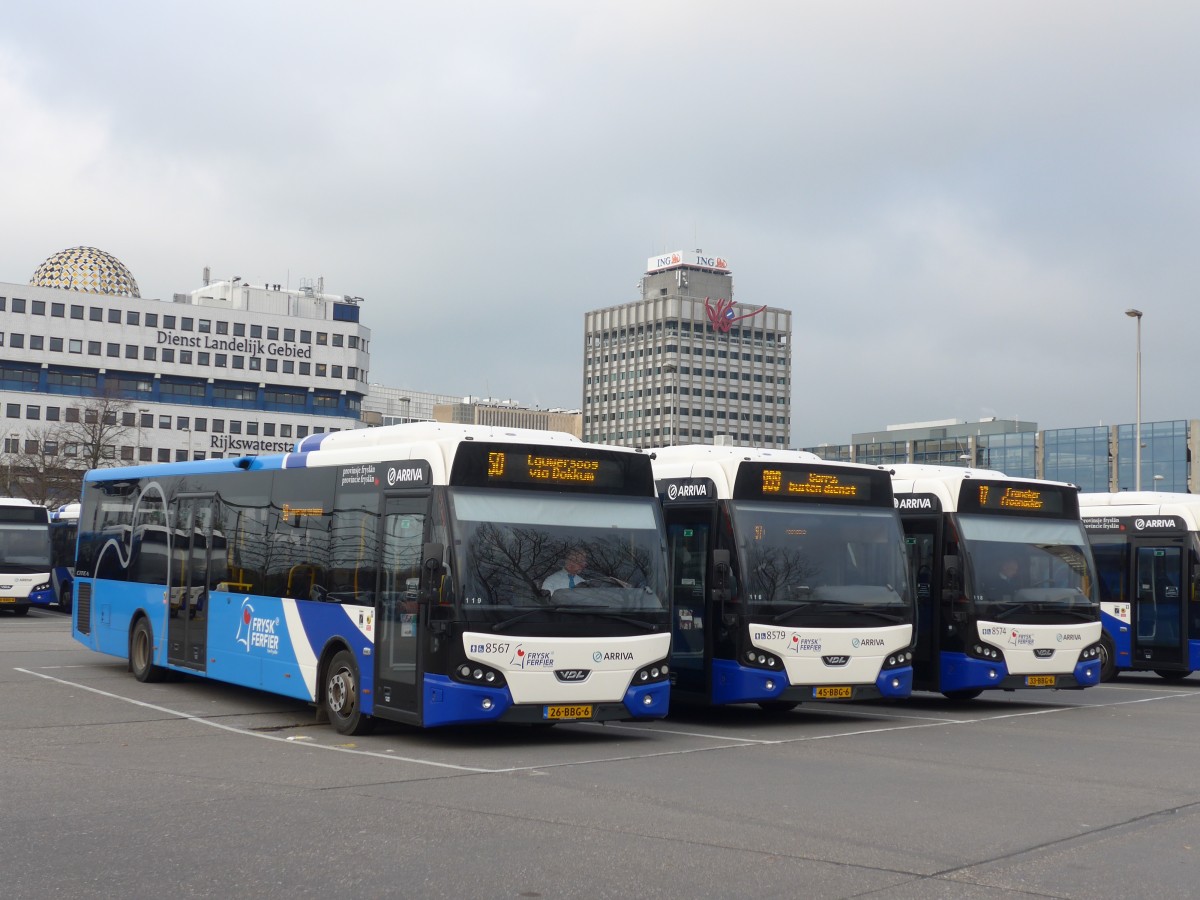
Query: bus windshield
pixel 804 564
pixel 526 553
pixel 1023 567
pixel 24 545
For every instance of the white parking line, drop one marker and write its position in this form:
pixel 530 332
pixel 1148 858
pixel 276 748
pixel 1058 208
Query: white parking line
pixel 731 742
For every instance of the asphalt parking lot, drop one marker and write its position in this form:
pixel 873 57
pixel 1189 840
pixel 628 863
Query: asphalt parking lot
pixel 113 787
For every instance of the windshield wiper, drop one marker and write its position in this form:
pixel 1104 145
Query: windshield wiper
pixel 578 610
pixel 795 609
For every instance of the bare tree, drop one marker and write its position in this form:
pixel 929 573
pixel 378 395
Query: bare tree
pixel 41 471
pixel 94 429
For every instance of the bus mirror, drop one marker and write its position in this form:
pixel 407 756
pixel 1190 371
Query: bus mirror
pixel 950 580
pixel 720 568
pixel 721 573
pixel 432 569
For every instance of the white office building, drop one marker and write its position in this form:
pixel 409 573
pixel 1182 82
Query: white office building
pixel 230 368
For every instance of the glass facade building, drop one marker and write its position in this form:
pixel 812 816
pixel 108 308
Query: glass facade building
pixel 1097 458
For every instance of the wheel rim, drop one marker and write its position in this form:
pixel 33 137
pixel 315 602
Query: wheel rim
pixel 341 692
pixel 141 641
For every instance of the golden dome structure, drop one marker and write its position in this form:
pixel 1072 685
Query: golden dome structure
pixel 88 270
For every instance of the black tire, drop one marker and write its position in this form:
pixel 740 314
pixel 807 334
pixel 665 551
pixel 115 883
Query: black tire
pixel 962 696
pixel 1171 674
pixel 1108 659
pixel 64 603
pixel 342 695
pixel 778 706
pixel 141 653
pixel 21 611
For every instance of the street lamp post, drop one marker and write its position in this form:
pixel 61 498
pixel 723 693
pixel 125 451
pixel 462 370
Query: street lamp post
pixel 1137 427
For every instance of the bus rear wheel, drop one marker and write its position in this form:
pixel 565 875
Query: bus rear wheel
pixel 1172 674
pixel 21 611
pixel 141 653
pixel 343 695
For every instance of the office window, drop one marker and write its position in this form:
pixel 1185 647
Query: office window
pixel 114 316
pixel 149 353
pixel 38 307
pixel 36 342
pixel 204 326
pixel 151 320
pixel 16 340
pixel 95 314
pixel 132 317
pixel 168 355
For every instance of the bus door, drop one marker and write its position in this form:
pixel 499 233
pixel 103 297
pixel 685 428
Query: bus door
pixel 687 544
pixel 187 591
pixel 1160 612
pixel 921 542
pixel 401 616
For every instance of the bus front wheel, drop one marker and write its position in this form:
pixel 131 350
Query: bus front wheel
pixel 1108 659
pixel 1172 674
pixel 343 695
pixel 962 696
pixel 778 706
pixel 141 653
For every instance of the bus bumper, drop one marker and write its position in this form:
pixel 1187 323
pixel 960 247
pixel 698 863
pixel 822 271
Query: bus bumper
pixel 735 683
pixel 447 702
pixel 960 672
pixel 44 597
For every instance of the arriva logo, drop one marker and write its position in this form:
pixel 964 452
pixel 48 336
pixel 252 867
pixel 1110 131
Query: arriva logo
pixel 612 656
pixel 1140 524
pixel 914 503
pixel 1068 637
pixel 396 476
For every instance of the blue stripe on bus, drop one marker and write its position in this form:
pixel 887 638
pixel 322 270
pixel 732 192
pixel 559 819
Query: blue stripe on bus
pixel 312 442
pixel 188 467
pixel 295 461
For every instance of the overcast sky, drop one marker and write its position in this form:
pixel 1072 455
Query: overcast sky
pixel 957 200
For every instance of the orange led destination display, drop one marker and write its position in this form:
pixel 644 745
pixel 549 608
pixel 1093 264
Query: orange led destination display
pixel 1018 498
pixel 814 484
pixel 480 464
pixel 539 467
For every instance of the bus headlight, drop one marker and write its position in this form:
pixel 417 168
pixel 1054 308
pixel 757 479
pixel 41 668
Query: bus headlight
pixel 898 659
pixel 1092 652
pixel 986 651
pixel 654 672
pixel 476 673
pixel 44 586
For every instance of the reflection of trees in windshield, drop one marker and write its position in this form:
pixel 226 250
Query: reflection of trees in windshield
pixel 779 573
pixel 507 564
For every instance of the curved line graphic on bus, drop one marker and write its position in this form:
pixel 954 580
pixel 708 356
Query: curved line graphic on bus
pixel 721 317
pixel 123 547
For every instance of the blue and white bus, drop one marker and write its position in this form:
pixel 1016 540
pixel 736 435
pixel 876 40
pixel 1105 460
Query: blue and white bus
pixel 1147 550
pixel 1006 588
pixel 790 581
pixel 405 573
pixel 64 533
pixel 24 555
